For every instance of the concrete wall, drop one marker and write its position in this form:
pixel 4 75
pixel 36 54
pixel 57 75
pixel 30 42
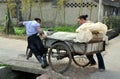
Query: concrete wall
pixel 2 13
pixel 50 14
pixel 67 15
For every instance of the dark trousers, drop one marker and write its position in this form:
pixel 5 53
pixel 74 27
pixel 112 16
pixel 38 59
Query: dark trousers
pixel 99 58
pixel 36 46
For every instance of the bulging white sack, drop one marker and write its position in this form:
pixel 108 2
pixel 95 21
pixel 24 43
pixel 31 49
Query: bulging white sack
pixel 84 26
pixel 98 27
pixel 87 30
pixel 83 36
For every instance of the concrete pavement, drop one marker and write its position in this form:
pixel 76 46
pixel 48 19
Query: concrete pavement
pixel 13 52
pixel 112 61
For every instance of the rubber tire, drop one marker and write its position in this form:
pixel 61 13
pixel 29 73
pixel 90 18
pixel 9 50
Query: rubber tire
pixel 64 46
pixel 82 58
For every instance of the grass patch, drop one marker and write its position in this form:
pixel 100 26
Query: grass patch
pixel 63 28
pixel 4 65
pixel 19 31
pixel 1 28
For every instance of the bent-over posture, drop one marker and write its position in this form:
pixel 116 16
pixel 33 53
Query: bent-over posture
pixel 34 42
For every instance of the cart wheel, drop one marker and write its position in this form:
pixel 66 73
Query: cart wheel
pixel 28 53
pixel 59 57
pixel 81 60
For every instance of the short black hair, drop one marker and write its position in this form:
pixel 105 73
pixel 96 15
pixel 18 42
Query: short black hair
pixel 83 17
pixel 36 19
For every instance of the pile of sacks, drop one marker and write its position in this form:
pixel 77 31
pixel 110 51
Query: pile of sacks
pixel 90 31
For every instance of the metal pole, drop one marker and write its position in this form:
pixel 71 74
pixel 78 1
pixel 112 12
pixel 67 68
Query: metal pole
pixel 100 11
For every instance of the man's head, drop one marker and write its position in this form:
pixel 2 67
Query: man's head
pixel 82 19
pixel 38 20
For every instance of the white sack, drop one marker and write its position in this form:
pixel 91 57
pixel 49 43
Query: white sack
pixel 85 31
pixel 83 36
pixel 84 26
pixel 98 27
pixel 63 35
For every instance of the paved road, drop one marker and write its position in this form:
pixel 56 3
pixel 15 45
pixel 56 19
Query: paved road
pixel 11 47
pixel 12 51
pixel 112 61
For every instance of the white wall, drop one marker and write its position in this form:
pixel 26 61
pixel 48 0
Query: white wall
pixel 2 13
pixel 47 13
pixel 71 14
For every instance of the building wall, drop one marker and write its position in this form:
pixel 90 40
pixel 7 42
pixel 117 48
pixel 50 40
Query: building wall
pixel 65 15
pixel 2 13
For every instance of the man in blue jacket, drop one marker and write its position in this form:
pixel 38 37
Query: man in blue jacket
pixel 34 42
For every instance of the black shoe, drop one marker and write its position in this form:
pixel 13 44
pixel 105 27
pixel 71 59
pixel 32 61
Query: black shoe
pixel 45 60
pixel 29 55
pixel 44 64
